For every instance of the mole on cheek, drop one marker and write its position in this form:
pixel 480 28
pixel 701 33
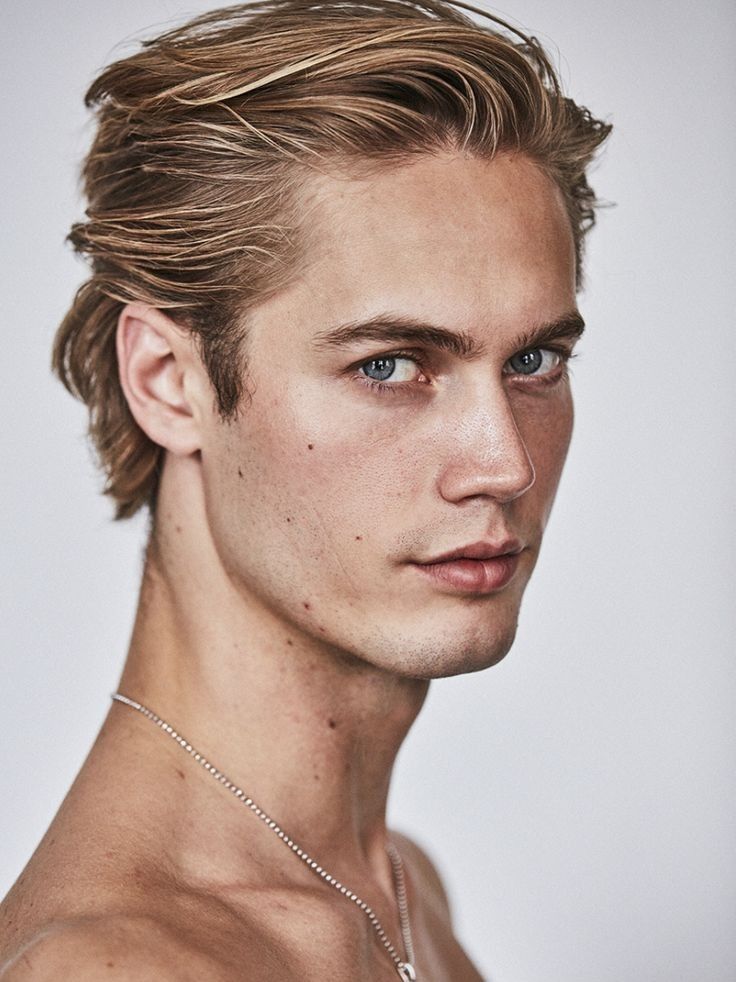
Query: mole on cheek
pixel 310 446
pixel 358 538
pixel 290 642
pixel 307 606
pixel 240 473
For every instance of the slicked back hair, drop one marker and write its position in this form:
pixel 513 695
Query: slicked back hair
pixel 205 136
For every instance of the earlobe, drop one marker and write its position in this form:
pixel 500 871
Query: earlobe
pixel 156 362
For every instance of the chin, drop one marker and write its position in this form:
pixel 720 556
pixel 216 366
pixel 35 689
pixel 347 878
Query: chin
pixel 446 665
pixel 445 656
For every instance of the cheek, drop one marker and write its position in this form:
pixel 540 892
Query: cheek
pixel 316 473
pixel 546 428
pixel 355 475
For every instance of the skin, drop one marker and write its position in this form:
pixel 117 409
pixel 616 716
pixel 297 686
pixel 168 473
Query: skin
pixel 282 625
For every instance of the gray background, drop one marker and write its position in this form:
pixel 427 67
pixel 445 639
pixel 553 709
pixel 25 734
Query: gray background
pixel 580 796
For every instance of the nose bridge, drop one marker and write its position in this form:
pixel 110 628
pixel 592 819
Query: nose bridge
pixel 486 453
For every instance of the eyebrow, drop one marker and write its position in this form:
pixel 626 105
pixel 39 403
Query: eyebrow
pixel 390 329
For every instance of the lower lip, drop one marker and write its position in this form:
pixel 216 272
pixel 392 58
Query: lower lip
pixel 472 575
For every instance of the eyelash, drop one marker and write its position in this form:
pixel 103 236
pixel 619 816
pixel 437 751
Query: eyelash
pixel 397 388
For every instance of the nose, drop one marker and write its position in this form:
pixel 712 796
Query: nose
pixel 485 454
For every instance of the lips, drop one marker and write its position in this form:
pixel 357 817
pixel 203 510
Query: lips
pixel 478 550
pixel 477 568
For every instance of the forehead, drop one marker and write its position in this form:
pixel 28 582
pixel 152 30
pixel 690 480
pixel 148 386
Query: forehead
pixel 446 239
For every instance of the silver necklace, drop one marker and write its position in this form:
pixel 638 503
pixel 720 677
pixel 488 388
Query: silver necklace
pixel 404 967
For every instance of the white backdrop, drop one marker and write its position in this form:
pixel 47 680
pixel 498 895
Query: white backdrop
pixel 579 797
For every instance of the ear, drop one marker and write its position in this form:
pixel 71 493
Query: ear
pixel 162 377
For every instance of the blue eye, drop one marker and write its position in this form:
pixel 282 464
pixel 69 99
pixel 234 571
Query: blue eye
pixel 397 368
pixel 529 362
pixel 379 369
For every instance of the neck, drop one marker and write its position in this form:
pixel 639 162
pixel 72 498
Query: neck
pixel 309 732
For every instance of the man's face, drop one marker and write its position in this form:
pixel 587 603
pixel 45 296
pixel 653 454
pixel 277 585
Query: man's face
pixel 364 452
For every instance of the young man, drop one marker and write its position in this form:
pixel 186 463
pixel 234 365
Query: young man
pixel 335 252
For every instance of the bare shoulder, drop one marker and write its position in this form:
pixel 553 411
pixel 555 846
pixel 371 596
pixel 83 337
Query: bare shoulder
pixel 424 871
pixel 119 948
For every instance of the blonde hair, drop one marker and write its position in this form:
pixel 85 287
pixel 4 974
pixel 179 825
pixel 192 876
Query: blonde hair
pixel 204 136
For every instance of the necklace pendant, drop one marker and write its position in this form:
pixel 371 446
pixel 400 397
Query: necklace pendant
pixel 406 972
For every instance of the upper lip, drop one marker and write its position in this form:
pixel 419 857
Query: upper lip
pixel 478 550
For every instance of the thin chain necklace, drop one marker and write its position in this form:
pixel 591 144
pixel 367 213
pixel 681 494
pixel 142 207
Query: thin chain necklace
pixel 405 967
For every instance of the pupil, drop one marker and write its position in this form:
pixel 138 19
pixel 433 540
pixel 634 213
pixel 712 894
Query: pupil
pixel 527 363
pixel 380 369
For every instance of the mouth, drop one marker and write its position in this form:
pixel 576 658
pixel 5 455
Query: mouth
pixel 480 568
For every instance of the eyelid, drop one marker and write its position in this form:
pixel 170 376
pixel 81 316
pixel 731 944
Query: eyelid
pixel 414 355
pixel 417 357
pixel 555 375
pixel 387 387
pixel 565 351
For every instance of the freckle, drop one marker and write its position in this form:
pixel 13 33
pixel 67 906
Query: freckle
pixel 240 473
pixel 316 777
pixel 110 964
pixel 332 724
pixel 290 642
pixel 307 606
pixel 180 773
pixel 310 446
pixel 358 538
pixel 321 628
pixel 178 528
pixel 288 519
